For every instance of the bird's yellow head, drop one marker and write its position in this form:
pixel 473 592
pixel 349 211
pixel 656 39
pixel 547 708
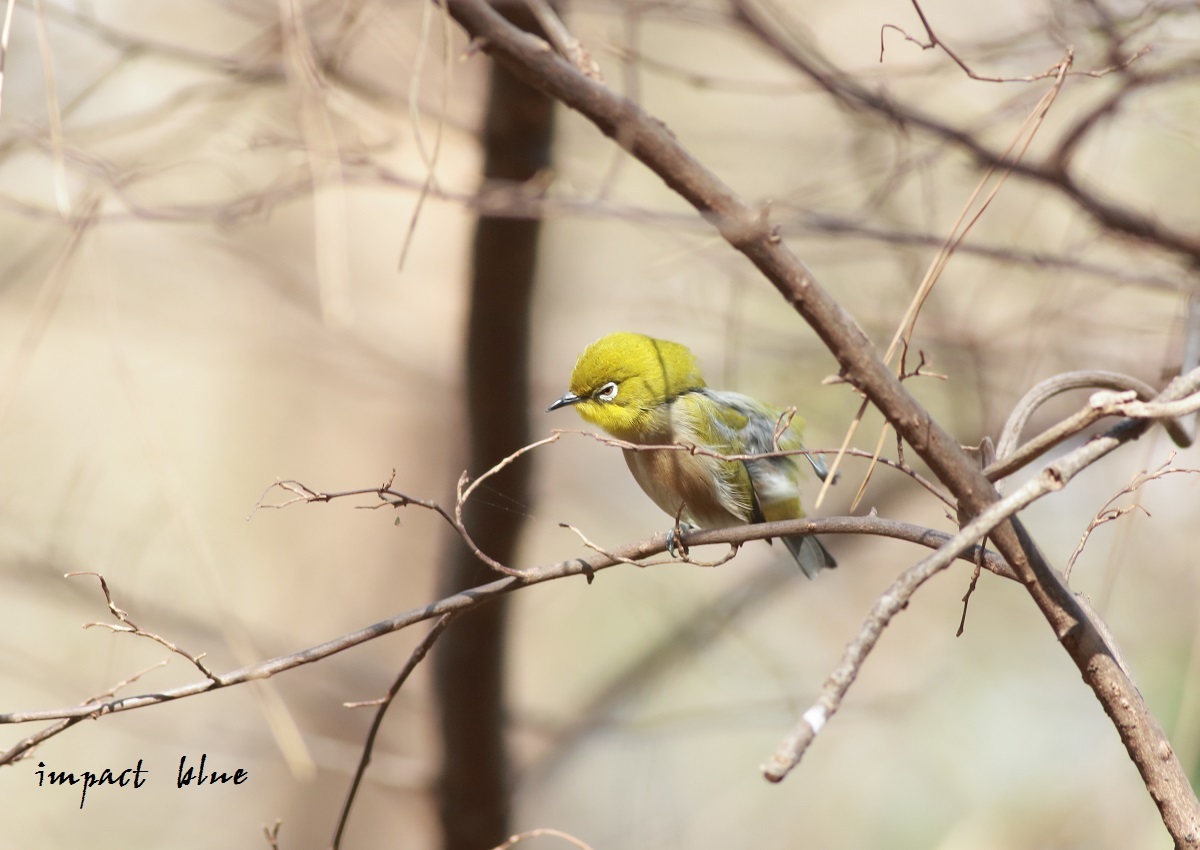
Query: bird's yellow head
pixel 623 381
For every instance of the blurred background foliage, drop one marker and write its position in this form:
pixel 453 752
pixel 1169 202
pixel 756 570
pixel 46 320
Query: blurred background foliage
pixel 204 210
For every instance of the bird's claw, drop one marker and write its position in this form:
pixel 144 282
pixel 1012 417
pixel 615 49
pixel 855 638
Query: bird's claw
pixel 676 547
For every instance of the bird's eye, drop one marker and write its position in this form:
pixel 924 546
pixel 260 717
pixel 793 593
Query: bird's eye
pixel 607 392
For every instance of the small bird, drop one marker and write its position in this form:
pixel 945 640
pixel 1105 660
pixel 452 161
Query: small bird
pixel 650 392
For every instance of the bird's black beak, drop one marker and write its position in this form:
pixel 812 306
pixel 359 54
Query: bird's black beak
pixel 569 398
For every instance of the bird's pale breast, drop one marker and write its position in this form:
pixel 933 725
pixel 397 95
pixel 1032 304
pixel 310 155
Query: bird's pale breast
pixel 701 483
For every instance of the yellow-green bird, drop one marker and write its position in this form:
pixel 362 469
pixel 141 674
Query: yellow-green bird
pixel 650 392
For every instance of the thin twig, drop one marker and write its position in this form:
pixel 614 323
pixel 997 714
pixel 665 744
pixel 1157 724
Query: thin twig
pixel 464 493
pixel 987 454
pixel 127 626
pixel 935 41
pixel 414 658
pixel 683 559
pixel 601 550
pixel 391 498
pixel 966 600
pixel 1108 513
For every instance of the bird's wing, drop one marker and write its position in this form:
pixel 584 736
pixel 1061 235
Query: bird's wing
pixel 734 424
pixel 751 427
pixel 770 430
pixel 775 481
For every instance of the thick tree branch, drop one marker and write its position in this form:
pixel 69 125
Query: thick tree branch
pixel 1053 477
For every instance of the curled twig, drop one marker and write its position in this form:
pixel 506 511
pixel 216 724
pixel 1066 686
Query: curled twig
pixel 1124 402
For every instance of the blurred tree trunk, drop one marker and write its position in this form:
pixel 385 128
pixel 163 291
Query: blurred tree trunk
pixel 469 659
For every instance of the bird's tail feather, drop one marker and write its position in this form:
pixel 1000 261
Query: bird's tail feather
pixel 809 553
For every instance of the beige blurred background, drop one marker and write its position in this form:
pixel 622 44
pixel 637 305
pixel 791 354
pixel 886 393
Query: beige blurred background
pixel 183 320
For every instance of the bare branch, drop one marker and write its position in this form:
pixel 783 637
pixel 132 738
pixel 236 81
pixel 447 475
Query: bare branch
pixel 127 626
pixel 934 41
pixel 1108 513
pixel 1100 405
pixel 468 599
pixel 966 600
pixel 676 530
pixel 771 25
pixel 896 598
pixel 415 657
pixel 389 497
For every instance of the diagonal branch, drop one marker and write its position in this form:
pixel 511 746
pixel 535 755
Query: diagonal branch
pixel 1053 477
pixel 383 704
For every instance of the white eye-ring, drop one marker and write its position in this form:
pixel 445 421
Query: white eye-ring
pixel 607 392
